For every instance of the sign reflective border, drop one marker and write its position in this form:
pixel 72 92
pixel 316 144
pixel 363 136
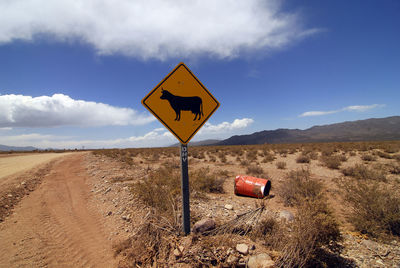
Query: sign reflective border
pixel 181 103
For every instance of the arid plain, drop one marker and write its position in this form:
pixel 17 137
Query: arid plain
pixel 331 204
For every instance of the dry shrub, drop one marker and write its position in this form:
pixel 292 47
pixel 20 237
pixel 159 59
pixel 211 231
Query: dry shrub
pixel 368 157
pixel 303 159
pixel 149 245
pixel 362 172
pixel 394 168
pixel 332 161
pixel 159 190
pixel 251 155
pixel 268 157
pixel 298 186
pixel 201 181
pixel 222 156
pixel 212 158
pixel 383 154
pixel 244 163
pixel 281 165
pixel 255 170
pixel 375 208
pixel 314 230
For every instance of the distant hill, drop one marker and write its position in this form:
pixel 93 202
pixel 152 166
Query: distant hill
pixel 198 143
pixel 362 130
pixel 15 148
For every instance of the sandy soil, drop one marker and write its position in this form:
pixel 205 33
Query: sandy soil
pixel 56 225
pixel 13 164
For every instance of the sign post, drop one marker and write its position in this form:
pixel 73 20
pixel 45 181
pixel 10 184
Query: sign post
pixel 185 189
pixel 183 105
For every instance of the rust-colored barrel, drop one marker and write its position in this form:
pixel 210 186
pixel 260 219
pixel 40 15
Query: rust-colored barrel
pixel 251 186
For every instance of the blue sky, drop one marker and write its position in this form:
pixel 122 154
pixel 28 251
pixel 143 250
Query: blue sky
pixel 73 74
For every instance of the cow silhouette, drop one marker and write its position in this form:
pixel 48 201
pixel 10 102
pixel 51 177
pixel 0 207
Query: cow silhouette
pixel 178 103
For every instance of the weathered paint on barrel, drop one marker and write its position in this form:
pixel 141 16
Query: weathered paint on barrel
pixel 251 186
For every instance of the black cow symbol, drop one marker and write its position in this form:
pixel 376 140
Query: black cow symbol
pixel 178 103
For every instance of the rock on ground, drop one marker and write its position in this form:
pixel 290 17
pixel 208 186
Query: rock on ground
pixel 203 225
pixel 242 248
pixel 262 260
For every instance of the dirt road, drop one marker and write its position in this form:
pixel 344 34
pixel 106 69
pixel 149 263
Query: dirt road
pixel 55 225
pixel 13 164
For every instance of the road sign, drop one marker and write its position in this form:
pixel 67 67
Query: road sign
pixel 181 102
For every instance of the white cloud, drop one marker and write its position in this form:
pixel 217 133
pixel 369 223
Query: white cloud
pixel 61 110
pixel 362 108
pixel 154 138
pixel 352 108
pixel 156 28
pixel 224 127
pixel 317 113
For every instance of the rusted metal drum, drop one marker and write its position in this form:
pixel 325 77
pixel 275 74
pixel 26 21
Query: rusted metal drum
pixel 251 186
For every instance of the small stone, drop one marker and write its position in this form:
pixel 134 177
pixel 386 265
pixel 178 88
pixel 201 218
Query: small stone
pixel 178 251
pixel 126 217
pixel 286 215
pixel 109 213
pixel 231 260
pixel 242 249
pixel 370 244
pixel 23 183
pixel 203 225
pixel 10 195
pixel 262 260
pixel 228 207
pixel 108 189
pixel 241 263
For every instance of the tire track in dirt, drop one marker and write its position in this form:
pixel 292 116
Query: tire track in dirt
pixel 55 226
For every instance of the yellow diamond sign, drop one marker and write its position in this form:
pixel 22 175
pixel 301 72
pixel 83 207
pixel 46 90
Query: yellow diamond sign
pixel 181 102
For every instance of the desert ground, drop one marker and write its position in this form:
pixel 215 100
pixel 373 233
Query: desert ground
pixel 331 205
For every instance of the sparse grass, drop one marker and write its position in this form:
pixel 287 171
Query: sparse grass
pixel 281 165
pixel 362 172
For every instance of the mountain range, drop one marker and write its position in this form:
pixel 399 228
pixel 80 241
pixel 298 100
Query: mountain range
pixel 16 148
pixel 362 130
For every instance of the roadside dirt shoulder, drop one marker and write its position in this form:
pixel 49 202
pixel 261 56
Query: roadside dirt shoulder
pixel 58 224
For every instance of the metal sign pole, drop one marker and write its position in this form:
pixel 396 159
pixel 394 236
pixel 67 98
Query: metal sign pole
pixel 185 189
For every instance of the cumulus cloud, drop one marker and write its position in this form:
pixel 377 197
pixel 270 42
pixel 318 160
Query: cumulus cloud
pixel 156 28
pixel 352 108
pixel 154 138
pixel 61 110
pixel 209 128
